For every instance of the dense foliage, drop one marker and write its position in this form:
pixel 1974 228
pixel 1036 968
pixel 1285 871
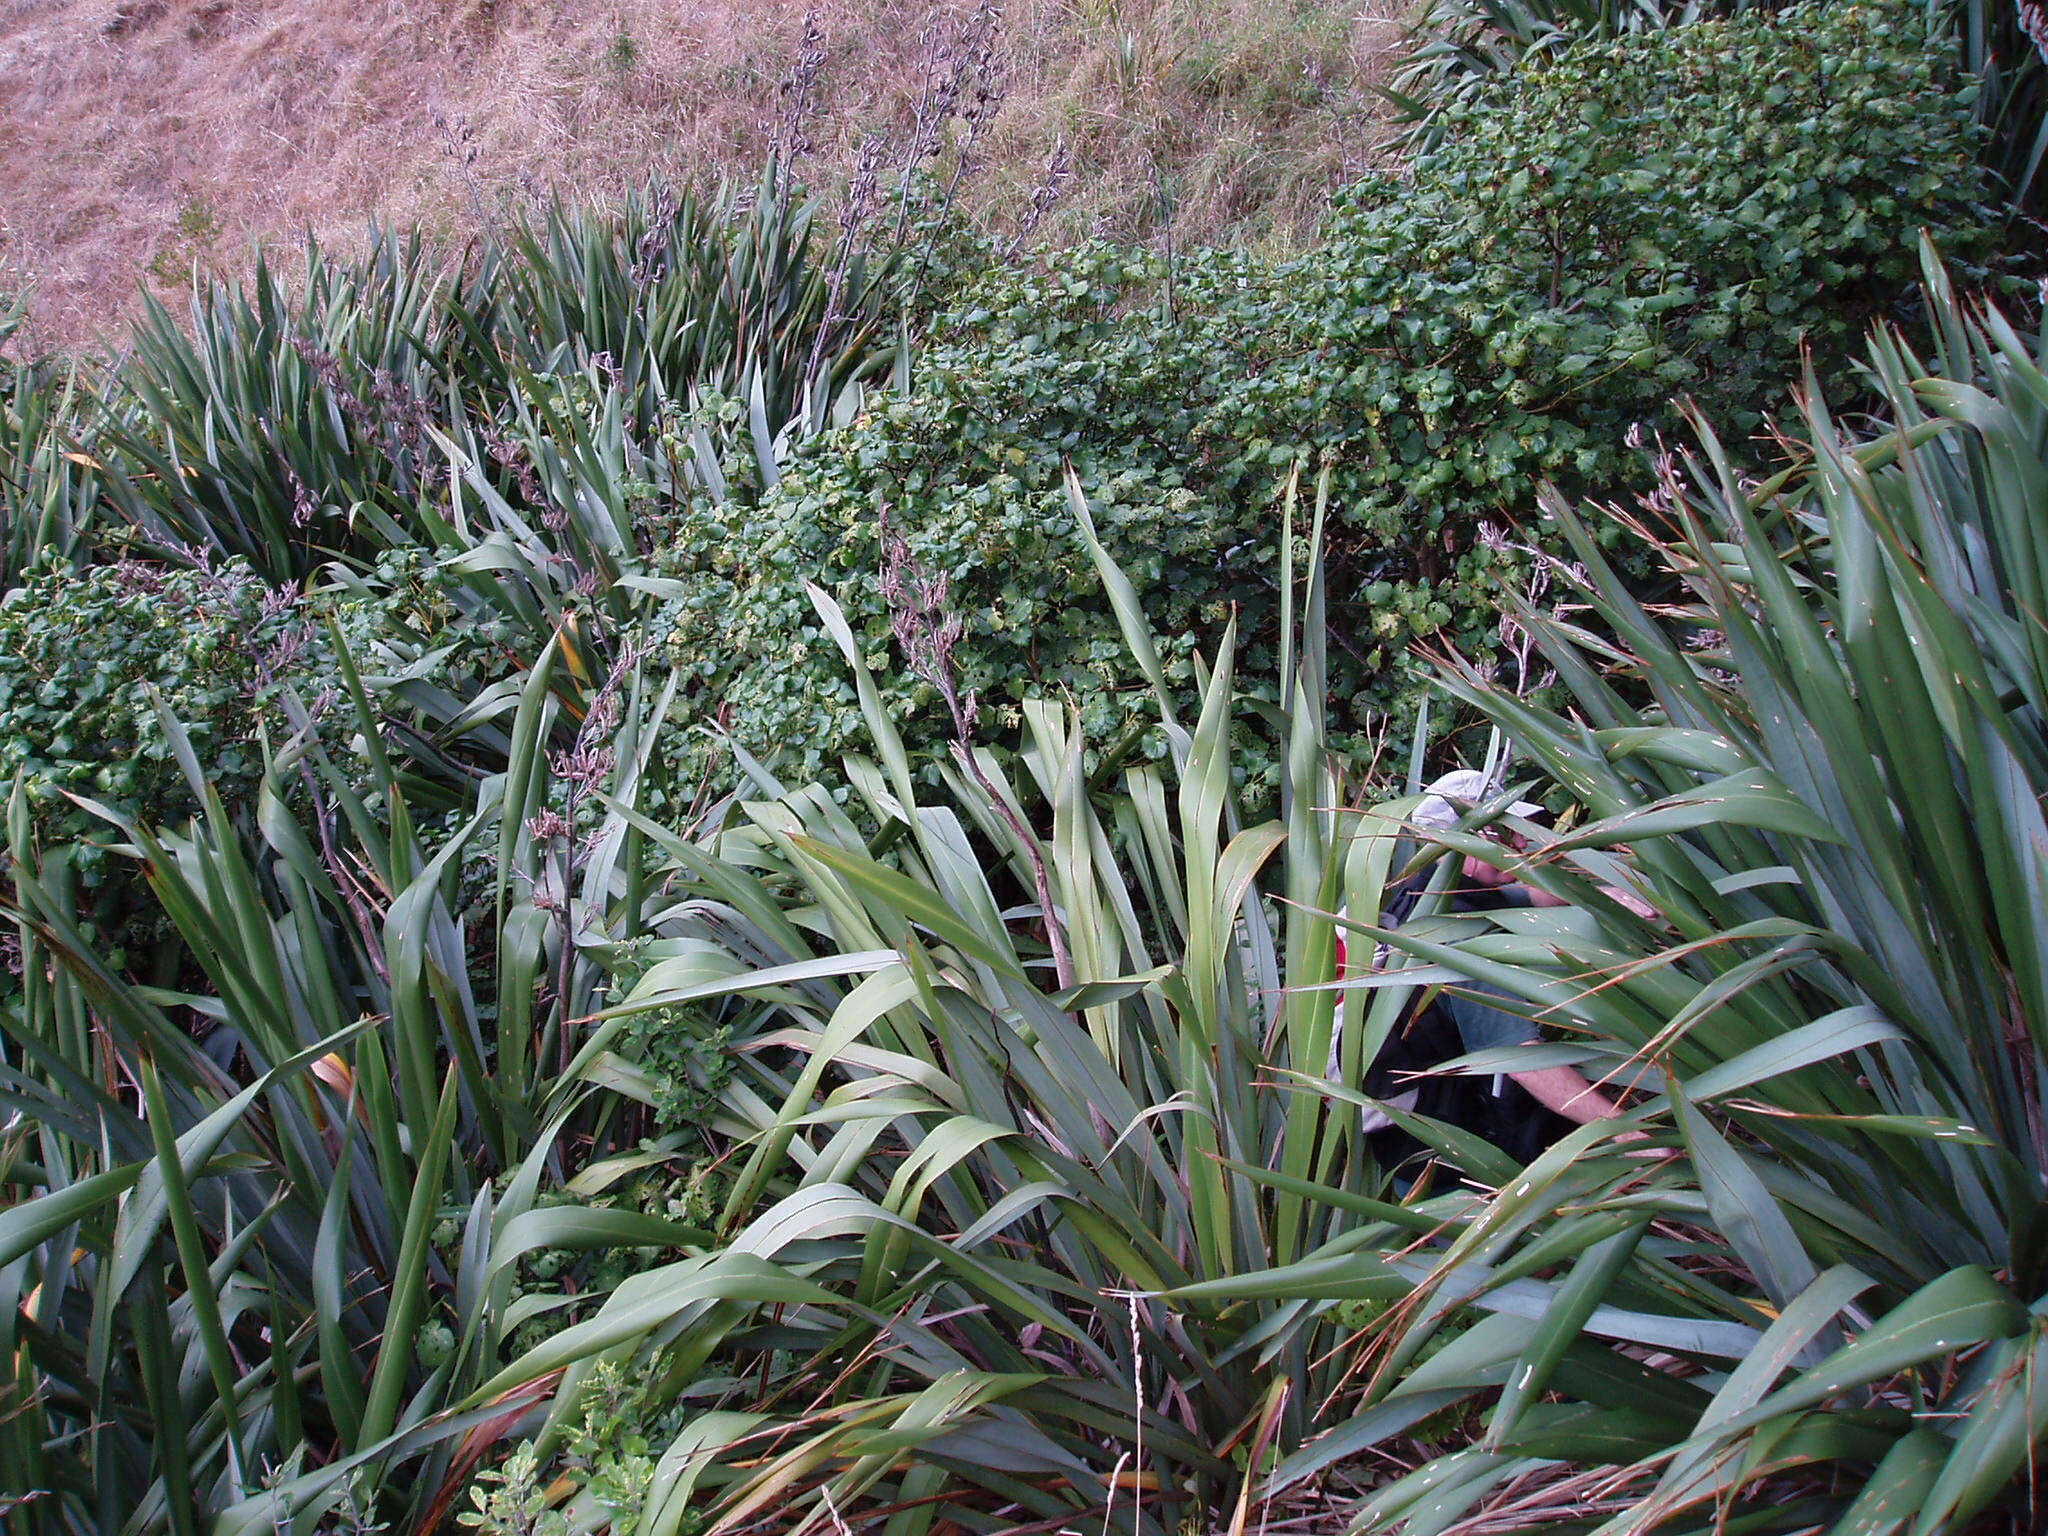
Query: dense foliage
pixel 1676 214
pixel 1671 215
pixel 367 1212
pixel 289 430
pixel 1461 46
pixel 743 840
pixel 1838 1007
pixel 452 466
pixel 106 671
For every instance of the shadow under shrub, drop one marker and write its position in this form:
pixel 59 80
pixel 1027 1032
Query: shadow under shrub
pixel 1663 216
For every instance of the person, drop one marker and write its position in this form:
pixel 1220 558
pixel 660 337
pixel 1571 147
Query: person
pixel 1483 1026
pixel 1522 1111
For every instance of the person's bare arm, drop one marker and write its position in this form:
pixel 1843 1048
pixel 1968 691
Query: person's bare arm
pixel 1564 1091
pixel 1479 872
pixel 1628 899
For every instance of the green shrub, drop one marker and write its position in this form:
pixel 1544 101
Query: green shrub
pixel 606 1450
pixel 1460 45
pixel 1670 214
pixel 89 660
pixel 426 643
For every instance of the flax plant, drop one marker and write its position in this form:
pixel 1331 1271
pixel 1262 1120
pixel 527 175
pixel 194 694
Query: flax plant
pixel 294 424
pixel 50 482
pixel 1826 764
pixel 961 1190
pixel 245 1201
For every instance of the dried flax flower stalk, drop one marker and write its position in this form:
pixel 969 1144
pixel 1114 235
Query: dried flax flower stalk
pixel 797 104
pixel 927 629
pixel 1059 165
pixel 854 213
pixel 964 75
pixel 2034 22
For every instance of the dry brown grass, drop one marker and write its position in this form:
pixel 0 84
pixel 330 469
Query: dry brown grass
pixel 140 136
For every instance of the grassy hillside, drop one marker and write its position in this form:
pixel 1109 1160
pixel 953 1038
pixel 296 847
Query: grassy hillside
pixel 138 137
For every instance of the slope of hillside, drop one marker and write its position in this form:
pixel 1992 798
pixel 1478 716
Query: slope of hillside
pixel 138 137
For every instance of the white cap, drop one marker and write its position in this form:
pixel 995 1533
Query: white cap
pixel 1447 799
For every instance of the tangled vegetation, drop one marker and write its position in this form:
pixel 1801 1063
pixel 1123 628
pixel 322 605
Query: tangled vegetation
pixel 709 875
pixel 1670 215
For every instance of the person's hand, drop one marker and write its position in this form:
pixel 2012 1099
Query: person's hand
pixel 1479 872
